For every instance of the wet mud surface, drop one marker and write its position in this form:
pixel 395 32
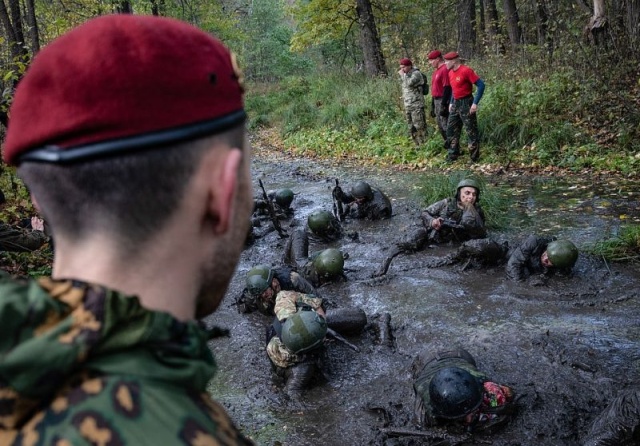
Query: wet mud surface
pixel 567 348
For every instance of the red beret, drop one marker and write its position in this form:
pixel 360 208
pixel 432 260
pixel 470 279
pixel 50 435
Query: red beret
pixel 434 54
pixel 406 62
pixel 452 55
pixel 120 83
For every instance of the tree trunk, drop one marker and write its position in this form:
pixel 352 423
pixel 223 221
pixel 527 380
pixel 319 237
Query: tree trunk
pixel 124 7
pixel 513 22
pixel 34 35
pixel 467 28
pixel 597 26
pixel 374 64
pixel 542 25
pixel 493 30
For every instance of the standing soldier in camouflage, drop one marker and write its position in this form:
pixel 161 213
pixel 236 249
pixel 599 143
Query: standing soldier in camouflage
pixel 463 107
pixel 136 152
pixel 440 93
pixel 413 98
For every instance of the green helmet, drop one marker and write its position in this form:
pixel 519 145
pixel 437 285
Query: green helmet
pixel 320 221
pixel 284 198
pixel 454 393
pixel 562 253
pixel 362 190
pixel 303 331
pixel 329 263
pixel 259 279
pixel 468 182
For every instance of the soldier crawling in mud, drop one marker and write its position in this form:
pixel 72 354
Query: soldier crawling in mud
pixel 364 202
pixel 263 283
pixel 296 339
pixel 449 389
pixel 456 219
pixel 618 424
pixel 275 207
pixel 535 255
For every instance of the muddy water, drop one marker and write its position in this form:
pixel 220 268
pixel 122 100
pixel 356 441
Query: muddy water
pixel 567 348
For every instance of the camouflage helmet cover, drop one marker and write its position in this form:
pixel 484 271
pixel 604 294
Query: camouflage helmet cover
pixel 562 253
pixel 259 279
pixel 329 263
pixel 304 331
pixel 362 189
pixel 454 393
pixel 284 198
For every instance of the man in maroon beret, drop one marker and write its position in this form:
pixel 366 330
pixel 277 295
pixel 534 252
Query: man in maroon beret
pixel 413 98
pixel 463 107
pixel 440 92
pixel 130 133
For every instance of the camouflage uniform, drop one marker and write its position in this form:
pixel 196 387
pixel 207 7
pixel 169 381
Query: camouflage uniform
pixel 82 364
pixel 413 99
pixel 524 259
pixel 287 304
pixel 289 280
pixel 378 208
pixel 471 218
pixel 20 240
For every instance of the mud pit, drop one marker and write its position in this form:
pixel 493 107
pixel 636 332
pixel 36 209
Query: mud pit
pixel 567 348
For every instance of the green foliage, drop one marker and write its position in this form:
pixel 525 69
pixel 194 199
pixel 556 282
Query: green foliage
pixel 495 202
pixel 624 246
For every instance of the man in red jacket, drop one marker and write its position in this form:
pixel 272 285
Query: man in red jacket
pixel 463 107
pixel 440 92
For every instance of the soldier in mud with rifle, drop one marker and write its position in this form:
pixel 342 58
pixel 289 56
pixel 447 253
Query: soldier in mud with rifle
pixel 275 206
pixel 299 333
pixel 363 202
pixel 455 219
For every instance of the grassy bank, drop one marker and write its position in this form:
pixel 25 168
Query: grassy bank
pixel 527 118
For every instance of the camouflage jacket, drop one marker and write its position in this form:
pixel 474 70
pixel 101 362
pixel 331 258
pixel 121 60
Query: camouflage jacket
pixel 20 240
pixel 289 280
pixel 524 259
pixel 472 220
pixel 412 83
pixel 288 303
pixel 84 365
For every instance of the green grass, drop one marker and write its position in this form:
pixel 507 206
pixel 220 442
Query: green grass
pixel 624 247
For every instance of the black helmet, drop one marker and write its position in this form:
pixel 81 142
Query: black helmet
pixel 259 279
pixel 454 393
pixel 284 198
pixel 362 190
pixel 562 253
pixel 468 182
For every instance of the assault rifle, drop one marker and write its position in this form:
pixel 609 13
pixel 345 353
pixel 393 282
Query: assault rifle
pixel 338 337
pixel 338 209
pixel 451 223
pixel 272 211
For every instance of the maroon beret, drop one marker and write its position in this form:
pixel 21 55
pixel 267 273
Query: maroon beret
pixel 406 62
pixel 452 55
pixel 122 83
pixel 434 54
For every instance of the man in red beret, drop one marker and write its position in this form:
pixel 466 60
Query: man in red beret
pixel 440 92
pixel 413 98
pixel 135 151
pixel 463 107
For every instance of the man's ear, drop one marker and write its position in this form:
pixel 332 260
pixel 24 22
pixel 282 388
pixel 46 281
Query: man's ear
pixel 222 190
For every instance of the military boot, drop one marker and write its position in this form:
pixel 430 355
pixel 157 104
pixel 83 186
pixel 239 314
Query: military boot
pixel 298 378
